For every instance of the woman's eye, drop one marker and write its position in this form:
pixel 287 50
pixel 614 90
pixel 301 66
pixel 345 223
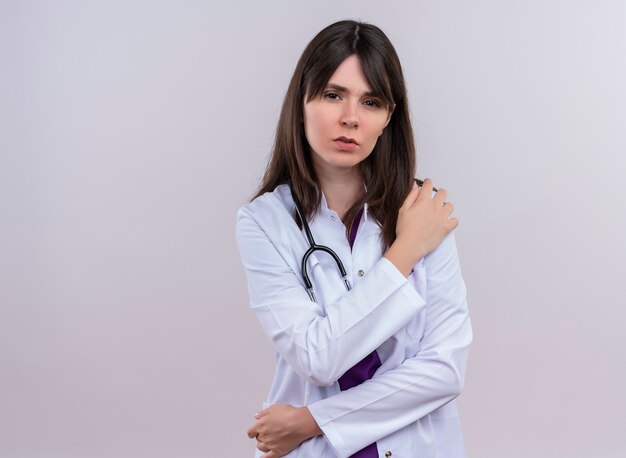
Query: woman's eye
pixel 331 96
pixel 372 103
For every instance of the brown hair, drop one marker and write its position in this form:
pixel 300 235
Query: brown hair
pixel 389 170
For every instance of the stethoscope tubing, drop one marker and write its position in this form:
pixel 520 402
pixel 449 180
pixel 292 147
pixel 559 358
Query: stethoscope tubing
pixel 313 247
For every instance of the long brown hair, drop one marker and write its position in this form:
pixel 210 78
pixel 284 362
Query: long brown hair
pixel 389 170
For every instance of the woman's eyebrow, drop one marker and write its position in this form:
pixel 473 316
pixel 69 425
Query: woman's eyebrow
pixel 345 90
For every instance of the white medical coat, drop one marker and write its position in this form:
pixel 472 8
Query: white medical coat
pixel 419 326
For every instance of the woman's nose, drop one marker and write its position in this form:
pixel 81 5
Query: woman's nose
pixel 349 116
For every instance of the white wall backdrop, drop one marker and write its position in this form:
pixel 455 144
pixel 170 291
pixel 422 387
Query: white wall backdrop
pixel 131 131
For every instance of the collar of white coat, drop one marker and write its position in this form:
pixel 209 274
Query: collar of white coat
pixel 324 205
pixel 262 206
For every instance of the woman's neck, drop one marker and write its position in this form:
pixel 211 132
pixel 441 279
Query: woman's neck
pixel 341 190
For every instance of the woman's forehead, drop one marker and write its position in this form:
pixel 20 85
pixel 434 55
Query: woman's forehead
pixel 349 78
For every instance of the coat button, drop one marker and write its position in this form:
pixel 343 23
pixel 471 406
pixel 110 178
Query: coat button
pixel 388 454
pixel 360 273
pixel 332 218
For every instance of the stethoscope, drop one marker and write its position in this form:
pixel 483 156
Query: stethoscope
pixel 312 248
pixel 315 247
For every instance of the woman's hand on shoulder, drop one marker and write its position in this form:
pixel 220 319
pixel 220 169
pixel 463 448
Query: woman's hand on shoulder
pixel 423 222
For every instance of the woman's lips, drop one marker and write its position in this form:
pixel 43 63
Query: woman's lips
pixel 345 143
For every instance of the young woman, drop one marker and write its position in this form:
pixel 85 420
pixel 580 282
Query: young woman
pixel 368 364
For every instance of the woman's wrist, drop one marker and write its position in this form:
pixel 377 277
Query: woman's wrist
pixel 307 426
pixel 402 257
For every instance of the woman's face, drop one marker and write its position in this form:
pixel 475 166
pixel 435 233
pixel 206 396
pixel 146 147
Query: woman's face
pixel 343 124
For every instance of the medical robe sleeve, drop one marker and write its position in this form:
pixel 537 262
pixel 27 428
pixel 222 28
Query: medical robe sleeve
pixel 354 418
pixel 321 344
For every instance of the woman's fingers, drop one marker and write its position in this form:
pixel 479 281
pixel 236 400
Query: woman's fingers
pixel 426 189
pixel 411 196
pixel 263 447
pixel 440 197
pixel 424 192
pixel 253 430
pixel 448 207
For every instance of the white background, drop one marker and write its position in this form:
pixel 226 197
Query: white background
pixel 131 131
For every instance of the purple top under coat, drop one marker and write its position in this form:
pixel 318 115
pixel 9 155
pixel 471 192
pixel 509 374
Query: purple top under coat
pixel 364 369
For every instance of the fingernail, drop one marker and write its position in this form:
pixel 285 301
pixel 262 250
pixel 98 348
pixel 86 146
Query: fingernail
pixel 256 415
